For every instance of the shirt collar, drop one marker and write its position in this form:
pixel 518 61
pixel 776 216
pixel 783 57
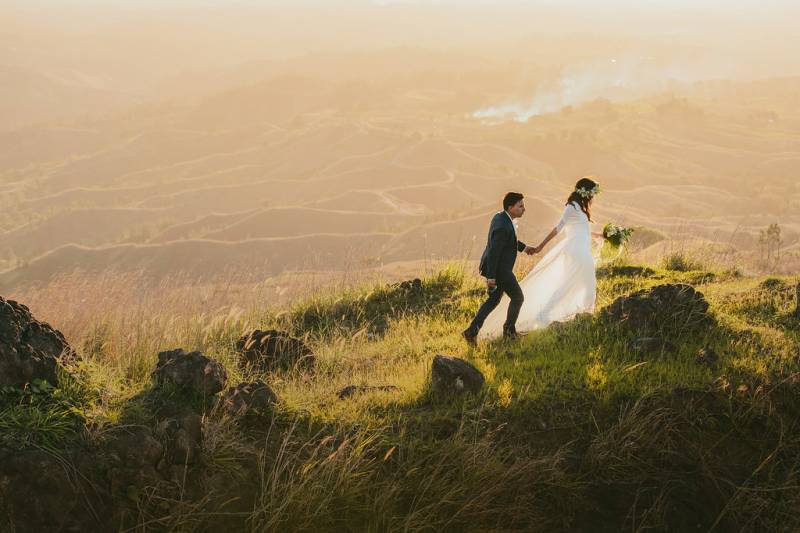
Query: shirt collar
pixel 513 222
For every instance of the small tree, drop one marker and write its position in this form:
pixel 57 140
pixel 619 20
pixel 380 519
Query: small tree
pixel 770 241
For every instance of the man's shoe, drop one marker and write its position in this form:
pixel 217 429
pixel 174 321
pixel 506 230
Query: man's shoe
pixel 471 338
pixel 512 335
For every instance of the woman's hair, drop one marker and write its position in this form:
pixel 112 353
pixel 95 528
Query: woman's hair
pixel 584 191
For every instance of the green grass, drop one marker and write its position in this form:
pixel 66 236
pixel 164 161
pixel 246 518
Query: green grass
pixel 572 432
pixel 681 262
pixel 40 415
pixel 372 308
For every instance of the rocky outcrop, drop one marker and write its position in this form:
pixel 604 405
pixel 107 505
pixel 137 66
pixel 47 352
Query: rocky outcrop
pixel 678 307
pixel 37 493
pixel 180 426
pixel 134 447
pixel 29 349
pixel 99 484
pixel 249 399
pixel 414 286
pixel 191 371
pixel 264 351
pixel 453 375
pixel 183 438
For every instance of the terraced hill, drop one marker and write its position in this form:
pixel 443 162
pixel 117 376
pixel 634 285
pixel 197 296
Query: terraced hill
pixel 317 165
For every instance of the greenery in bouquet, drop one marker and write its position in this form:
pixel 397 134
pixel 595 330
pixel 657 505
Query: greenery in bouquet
pixel 615 235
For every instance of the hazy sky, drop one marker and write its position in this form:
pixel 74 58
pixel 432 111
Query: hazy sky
pixel 594 4
pixel 173 35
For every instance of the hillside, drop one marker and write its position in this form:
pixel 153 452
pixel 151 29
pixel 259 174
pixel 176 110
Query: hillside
pixel 296 156
pixel 239 246
pixel 684 420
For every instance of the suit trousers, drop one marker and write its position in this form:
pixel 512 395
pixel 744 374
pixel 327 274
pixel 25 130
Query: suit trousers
pixel 506 283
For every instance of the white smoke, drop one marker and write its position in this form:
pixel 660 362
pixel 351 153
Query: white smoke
pixel 614 79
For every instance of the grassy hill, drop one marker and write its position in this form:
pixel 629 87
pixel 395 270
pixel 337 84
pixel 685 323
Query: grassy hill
pixel 574 430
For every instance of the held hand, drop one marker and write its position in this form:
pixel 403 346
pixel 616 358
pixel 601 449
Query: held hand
pixel 530 250
pixel 491 283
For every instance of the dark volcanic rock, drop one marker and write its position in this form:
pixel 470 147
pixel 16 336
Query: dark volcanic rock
pixel 674 306
pixel 36 492
pixel 183 436
pixel 134 447
pixel 192 371
pixel 454 375
pixel 133 453
pixel 267 350
pixel 410 285
pixel 352 390
pixel 29 349
pixel 256 398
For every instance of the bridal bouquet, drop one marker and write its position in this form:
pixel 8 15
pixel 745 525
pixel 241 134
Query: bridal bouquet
pixel 615 235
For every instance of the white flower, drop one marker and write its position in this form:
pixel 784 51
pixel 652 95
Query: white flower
pixel 588 193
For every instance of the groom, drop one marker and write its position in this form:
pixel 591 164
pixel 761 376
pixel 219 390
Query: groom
pixel 497 265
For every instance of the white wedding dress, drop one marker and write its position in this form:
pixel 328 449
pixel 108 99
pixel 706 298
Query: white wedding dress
pixel 561 285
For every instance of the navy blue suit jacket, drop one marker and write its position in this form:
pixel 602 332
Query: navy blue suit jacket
pixel 501 247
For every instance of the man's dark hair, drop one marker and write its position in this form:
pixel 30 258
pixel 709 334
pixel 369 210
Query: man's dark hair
pixel 510 199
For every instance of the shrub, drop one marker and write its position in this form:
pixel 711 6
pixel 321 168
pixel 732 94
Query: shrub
pixel 681 262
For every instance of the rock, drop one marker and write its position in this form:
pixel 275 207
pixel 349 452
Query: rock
pixel 352 390
pixel 134 453
pixel 676 306
pixel 411 285
pixel 652 346
pixel 624 271
pixel 29 349
pixel 773 284
pixel 192 371
pixel 184 437
pixel 454 375
pixel 706 356
pixel 37 494
pixel 134 447
pixel 263 351
pixel 128 487
pixel 185 448
pixel 256 398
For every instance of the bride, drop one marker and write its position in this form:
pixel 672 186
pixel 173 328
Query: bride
pixel 563 283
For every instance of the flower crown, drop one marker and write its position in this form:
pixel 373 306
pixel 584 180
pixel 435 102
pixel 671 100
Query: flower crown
pixel 588 193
